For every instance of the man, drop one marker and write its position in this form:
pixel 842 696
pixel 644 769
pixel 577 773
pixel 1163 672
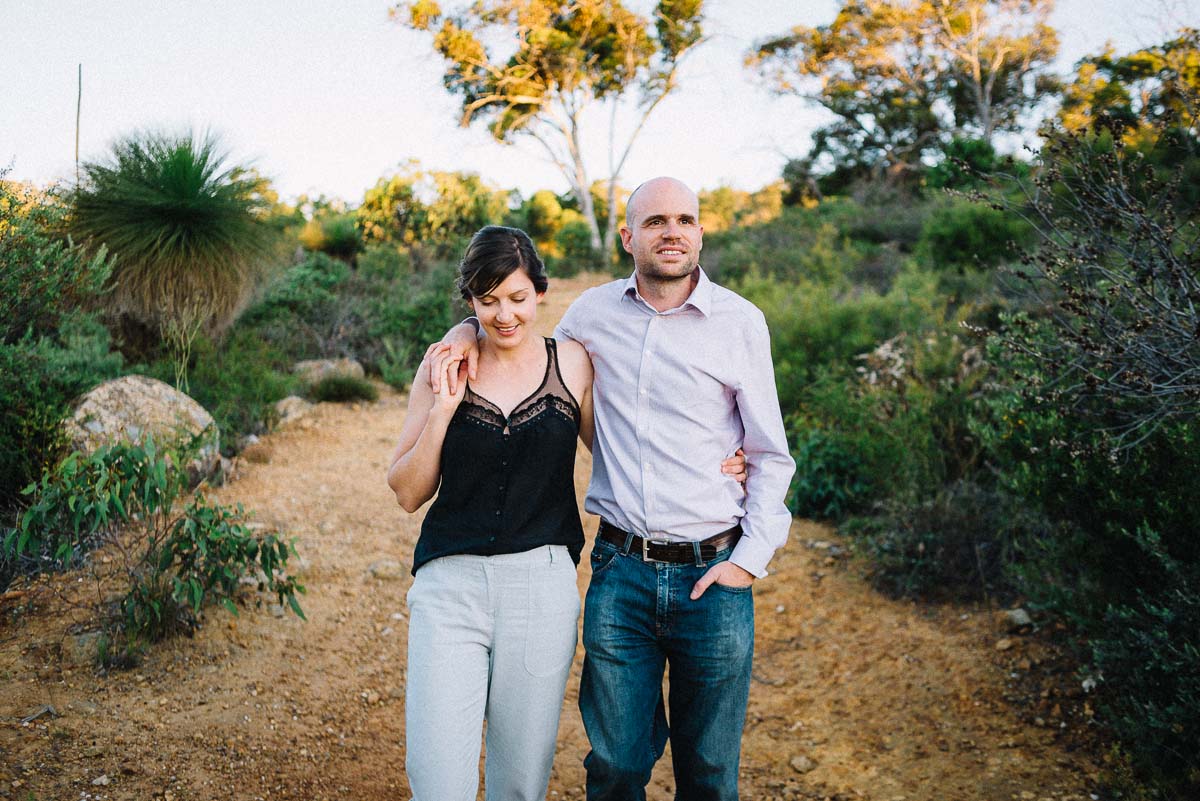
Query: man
pixel 683 376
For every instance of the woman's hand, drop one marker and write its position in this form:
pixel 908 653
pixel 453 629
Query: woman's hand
pixel 449 384
pixel 459 345
pixel 735 467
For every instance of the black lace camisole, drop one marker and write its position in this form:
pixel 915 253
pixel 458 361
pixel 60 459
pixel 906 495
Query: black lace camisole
pixel 507 483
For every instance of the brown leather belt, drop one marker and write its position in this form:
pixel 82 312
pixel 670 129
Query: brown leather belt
pixel 650 550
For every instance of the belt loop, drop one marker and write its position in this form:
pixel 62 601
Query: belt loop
pixel 696 549
pixel 628 542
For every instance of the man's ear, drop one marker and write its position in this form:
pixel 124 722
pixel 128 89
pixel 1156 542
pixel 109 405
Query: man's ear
pixel 626 238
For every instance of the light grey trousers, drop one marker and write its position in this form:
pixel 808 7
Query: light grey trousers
pixel 488 637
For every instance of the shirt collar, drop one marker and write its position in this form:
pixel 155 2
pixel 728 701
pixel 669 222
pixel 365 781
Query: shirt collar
pixel 700 299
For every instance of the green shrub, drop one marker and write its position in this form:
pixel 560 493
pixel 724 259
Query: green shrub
pixel 238 381
pixel 43 275
pixel 174 560
pixel 397 367
pixel 342 389
pixel 198 560
pixel 830 479
pixel 962 542
pixel 965 235
pixel 39 378
pixel 335 235
pixel 1148 652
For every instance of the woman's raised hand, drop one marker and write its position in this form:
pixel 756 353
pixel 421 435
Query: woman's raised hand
pixel 450 384
pixel 459 345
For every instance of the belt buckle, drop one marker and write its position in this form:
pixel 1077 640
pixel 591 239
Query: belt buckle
pixel 646 543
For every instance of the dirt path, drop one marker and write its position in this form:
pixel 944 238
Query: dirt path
pixel 855 696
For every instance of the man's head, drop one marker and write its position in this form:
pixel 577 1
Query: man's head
pixel 662 229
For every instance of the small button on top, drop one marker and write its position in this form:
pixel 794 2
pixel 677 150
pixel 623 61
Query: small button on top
pixel 491 539
pixel 497 513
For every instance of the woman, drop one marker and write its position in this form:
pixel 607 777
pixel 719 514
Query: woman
pixel 493 605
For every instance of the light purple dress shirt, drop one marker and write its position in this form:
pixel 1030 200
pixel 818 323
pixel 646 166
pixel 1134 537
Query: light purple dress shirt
pixel 675 393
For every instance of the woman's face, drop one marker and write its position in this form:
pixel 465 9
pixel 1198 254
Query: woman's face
pixel 508 311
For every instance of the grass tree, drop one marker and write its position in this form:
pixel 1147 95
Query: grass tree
pixel 184 227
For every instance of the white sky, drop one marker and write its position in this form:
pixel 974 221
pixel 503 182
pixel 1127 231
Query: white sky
pixel 326 97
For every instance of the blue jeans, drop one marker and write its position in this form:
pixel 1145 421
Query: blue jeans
pixel 638 618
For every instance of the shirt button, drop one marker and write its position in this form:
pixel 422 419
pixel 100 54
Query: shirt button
pixel 642 391
pixel 491 539
pixel 497 513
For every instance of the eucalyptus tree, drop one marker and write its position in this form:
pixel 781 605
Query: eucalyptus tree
pixel 536 68
pixel 1157 85
pixel 184 228
pixel 901 77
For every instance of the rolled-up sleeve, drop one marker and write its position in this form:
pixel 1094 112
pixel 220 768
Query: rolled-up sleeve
pixel 769 464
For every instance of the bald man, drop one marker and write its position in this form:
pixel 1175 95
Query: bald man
pixel 683 377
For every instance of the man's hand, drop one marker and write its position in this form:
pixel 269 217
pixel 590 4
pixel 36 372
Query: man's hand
pixel 459 343
pixel 726 573
pixel 735 466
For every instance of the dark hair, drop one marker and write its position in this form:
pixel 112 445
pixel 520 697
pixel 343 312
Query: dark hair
pixel 495 253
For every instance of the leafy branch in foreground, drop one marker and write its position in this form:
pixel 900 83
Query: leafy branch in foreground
pixel 173 558
pixel 1117 278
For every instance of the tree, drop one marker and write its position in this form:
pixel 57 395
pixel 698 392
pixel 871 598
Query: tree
pixel 1156 86
pixel 901 76
pixel 184 228
pixel 429 208
pixel 566 58
pixel 998 53
pixel 1118 273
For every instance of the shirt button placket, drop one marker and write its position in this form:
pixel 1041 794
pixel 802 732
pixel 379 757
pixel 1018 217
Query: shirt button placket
pixel 645 379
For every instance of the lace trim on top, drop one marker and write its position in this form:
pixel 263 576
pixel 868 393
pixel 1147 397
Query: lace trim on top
pixel 551 394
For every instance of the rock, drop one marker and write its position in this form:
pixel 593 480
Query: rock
pixel 1004 645
pixel 101 781
pixel 82 649
pixel 314 370
pixel 257 452
pixel 291 409
pixel 802 764
pixel 387 570
pixel 1015 619
pixel 129 408
pixel 276 610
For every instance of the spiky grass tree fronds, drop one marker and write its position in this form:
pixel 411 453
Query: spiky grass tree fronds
pixel 184 227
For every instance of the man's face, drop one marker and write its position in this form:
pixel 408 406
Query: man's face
pixel 663 232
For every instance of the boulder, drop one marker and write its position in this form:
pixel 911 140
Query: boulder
pixel 291 409
pixel 314 370
pixel 129 408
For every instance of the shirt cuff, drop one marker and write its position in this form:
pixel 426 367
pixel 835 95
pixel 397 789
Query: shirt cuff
pixel 752 556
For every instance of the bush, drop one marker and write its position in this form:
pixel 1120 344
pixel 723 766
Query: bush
pixel 830 479
pixel 965 235
pixel 961 542
pixel 43 275
pixel 175 561
pixel 342 389
pixel 39 378
pixel 238 382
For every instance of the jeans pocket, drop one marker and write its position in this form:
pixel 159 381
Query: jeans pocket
pixel 602 557
pixel 552 626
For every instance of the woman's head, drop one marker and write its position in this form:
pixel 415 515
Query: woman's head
pixel 494 253
pixel 503 279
